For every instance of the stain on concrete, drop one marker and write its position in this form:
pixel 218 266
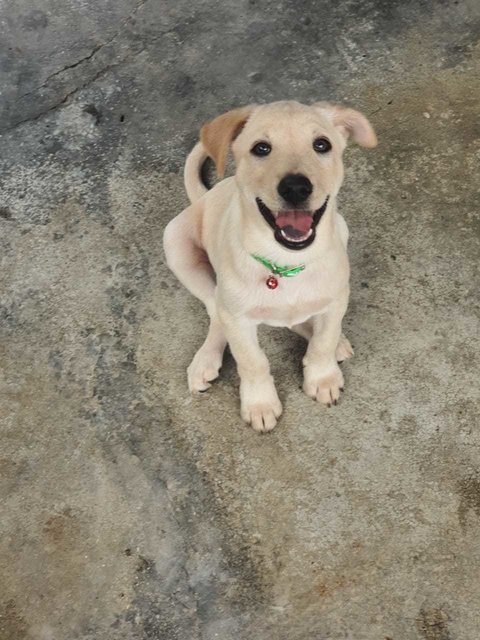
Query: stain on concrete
pixel 469 494
pixel 34 20
pixel 61 529
pixel 5 213
pixel 432 624
pixel 12 624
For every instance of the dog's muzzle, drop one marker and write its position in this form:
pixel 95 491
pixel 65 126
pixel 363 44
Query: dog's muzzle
pixel 293 229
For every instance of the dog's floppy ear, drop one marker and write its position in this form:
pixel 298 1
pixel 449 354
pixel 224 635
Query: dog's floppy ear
pixel 352 124
pixel 217 135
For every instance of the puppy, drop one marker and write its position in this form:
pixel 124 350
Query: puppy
pixel 268 245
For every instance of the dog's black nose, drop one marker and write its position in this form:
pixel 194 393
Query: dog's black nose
pixel 295 188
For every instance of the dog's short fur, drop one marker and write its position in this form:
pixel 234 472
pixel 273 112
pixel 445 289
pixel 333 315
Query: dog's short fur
pixel 209 246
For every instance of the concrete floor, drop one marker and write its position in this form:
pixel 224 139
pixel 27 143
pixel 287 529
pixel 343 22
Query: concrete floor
pixel 130 510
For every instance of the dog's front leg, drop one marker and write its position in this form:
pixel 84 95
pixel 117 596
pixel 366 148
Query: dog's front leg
pixel 323 379
pixel 260 405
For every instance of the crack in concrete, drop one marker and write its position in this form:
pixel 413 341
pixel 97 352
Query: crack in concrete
pixel 92 53
pixel 71 93
pixel 69 66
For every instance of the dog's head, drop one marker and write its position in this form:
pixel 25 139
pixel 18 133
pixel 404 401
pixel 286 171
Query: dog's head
pixel 288 158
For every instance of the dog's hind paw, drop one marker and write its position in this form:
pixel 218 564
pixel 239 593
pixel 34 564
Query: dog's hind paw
pixel 344 349
pixel 203 369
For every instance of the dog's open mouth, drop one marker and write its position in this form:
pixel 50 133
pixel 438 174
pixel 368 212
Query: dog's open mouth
pixel 295 226
pixel 294 229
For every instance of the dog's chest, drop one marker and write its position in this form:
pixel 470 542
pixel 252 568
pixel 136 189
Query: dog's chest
pixel 292 302
pixel 286 315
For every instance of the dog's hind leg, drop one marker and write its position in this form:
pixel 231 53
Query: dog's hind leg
pixel 186 257
pixel 304 329
pixel 344 349
pixel 208 360
pixel 189 262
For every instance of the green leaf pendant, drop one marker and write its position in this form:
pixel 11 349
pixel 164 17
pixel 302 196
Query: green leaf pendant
pixel 277 270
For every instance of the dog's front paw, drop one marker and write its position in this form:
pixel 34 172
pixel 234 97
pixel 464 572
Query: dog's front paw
pixel 260 406
pixel 203 369
pixel 323 385
pixel 262 417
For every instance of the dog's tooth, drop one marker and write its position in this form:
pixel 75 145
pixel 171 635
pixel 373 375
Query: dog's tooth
pixel 301 239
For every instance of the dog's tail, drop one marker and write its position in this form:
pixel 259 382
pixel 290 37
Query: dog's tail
pixel 195 175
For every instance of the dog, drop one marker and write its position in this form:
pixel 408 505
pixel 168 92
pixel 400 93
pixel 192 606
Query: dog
pixel 267 245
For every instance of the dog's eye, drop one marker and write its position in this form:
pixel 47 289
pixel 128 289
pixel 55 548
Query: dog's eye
pixel 261 149
pixel 322 145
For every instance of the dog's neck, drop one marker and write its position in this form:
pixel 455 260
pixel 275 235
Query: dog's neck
pixel 256 237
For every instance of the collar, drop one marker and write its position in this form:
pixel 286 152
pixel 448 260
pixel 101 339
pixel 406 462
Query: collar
pixel 283 272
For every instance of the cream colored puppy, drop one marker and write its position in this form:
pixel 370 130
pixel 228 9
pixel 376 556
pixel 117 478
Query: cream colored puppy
pixel 268 246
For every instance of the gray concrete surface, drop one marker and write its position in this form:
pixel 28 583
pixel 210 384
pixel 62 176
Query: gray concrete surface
pixel 130 510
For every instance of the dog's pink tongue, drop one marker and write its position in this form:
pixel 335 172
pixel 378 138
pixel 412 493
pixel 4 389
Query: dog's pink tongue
pixel 300 221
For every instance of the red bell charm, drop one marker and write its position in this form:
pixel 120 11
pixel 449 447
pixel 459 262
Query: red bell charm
pixel 272 282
